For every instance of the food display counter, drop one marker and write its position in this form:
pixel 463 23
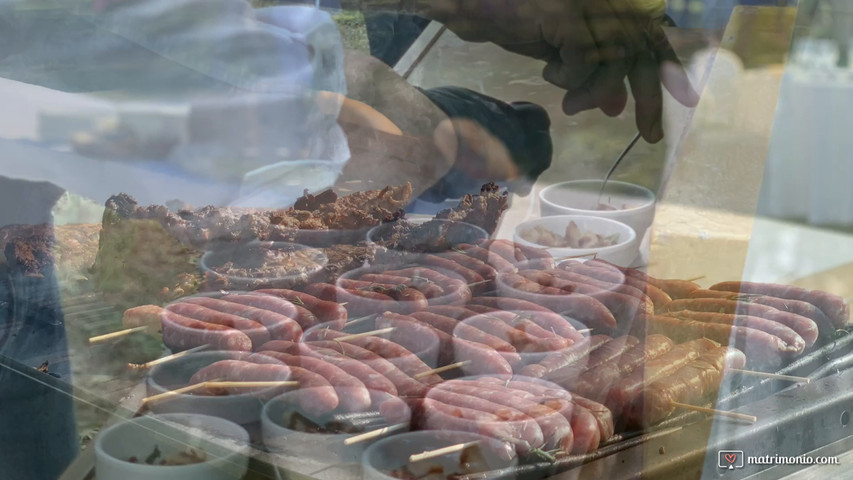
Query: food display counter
pixel 651 326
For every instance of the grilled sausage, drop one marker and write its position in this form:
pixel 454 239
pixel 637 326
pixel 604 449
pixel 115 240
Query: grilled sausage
pixel 325 311
pixel 456 291
pixel 833 306
pixel 523 341
pixel 483 269
pixel 582 308
pixel 405 384
pixel 595 383
pixel 603 415
pixel 181 333
pixel 279 326
pixel 430 414
pixel 453 326
pixel 403 359
pixel 691 384
pixel 481 358
pixel 371 379
pixel 804 327
pixel 352 393
pixel 523 427
pixel 676 289
pixel 611 350
pixel 566 365
pixel 143 316
pixel 273 304
pixel 555 428
pixel 239 371
pixel 764 349
pixel 623 394
pixel 257 332
pixel 470 276
pixel 497 262
pixel 795 343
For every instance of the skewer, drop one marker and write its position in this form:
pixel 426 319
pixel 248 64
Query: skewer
pixel 360 319
pixel 482 282
pixel 167 358
pixel 364 334
pixel 110 336
pixel 721 413
pixel 257 384
pixel 443 369
pixel 700 277
pixel 789 378
pixel 171 393
pixel 374 433
pixel 429 454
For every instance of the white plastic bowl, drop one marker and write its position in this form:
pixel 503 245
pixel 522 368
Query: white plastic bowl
pixel 242 408
pixel 622 254
pixel 580 197
pixel 393 453
pixel 224 443
pixel 312 450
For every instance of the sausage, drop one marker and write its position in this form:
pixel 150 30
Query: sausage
pixel 410 299
pixel 567 364
pixel 520 339
pixel 691 384
pixel 181 333
pixel 611 350
pixel 611 277
pixel 304 317
pixel 430 414
pixel 603 415
pixel 505 249
pixel 143 316
pixel 405 360
pixel 624 393
pixel 352 393
pixel 582 308
pixel 239 371
pixel 483 269
pixel 524 428
pixel 325 311
pixel 456 291
pixel 764 349
pixel 676 289
pixel 623 307
pixel 316 395
pixel 499 263
pixel 799 307
pixel 794 342
pixel 556 430
pixel 805 327
pixel 831 306
pixel 587 432
pixel 545 318
pixel 405 384
pixel 523 322
pixel 594 383
pixel 453 326
pixel 358 303
pixel 371 379
pixel 279 326
pixel 257 332
pixel 427 287
pixel 470 276
pixel 481 358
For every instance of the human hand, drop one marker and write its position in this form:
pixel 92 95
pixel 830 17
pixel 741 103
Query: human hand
pixel 590 46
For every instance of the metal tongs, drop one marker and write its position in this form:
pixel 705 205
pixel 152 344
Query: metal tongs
pixel 616 164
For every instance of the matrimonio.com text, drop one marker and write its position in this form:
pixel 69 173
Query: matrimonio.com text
pixel 735 459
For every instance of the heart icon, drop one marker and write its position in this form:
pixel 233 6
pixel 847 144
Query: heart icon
pixel 730 457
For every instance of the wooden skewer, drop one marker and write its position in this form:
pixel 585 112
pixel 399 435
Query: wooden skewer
pixel 584 330
pixel 360 319
pixel 443 369
pixel 375 433
pixel 258 384
pixel 478 283
pixel 789 378
pixel 700 277
pixel 118 334
pixel 417 457
pixel 167 358
pixel 721 413
pixel 171 393
pixel 371 333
